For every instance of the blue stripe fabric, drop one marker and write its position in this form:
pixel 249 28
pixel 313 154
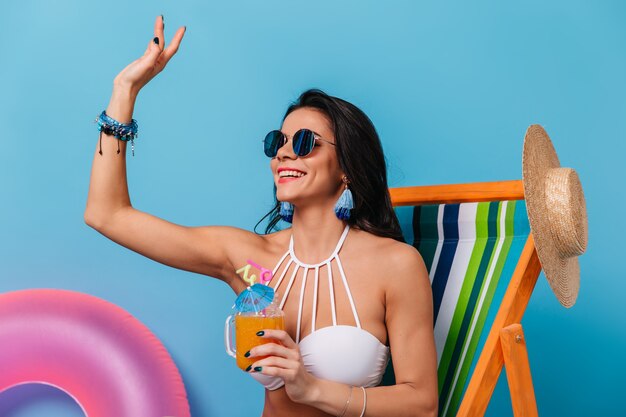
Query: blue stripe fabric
pixel 437 240
pixel 471 306
pixel 450 243
pixel 521 230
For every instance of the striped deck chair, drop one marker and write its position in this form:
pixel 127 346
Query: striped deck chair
pixel 475 240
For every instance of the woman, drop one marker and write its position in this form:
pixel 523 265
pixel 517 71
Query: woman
pixel 357 308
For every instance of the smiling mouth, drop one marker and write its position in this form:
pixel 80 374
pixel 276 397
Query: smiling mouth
pixel 291 174
pixel 288 179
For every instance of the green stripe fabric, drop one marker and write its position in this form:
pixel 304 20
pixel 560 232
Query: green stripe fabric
pixel 473 305
pixel 478 250
pixel 491 237
pixel 518 222
pixel 478 315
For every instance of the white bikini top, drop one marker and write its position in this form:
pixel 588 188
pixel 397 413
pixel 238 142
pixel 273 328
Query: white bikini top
pixel 340 353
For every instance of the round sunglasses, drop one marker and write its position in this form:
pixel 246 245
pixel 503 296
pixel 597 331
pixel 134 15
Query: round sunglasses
pixel 303 142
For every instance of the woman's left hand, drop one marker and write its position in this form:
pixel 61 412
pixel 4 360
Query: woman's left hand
pixel 284 361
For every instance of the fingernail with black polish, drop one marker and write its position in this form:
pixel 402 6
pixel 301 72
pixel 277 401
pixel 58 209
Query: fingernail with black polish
pixel 260 333
pixel 248 368
pixel 247 354
pixel 155 40
pixel 163 21
pixel 258 369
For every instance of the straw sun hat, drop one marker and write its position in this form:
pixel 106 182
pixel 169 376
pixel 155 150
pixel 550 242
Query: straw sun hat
pixel 557 214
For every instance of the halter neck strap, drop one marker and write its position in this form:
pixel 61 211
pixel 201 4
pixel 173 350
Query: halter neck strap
pixel 332 255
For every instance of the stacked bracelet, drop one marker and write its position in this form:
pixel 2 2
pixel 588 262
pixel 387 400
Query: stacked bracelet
pixel 122 131
pixel 364 402
pixel 345 407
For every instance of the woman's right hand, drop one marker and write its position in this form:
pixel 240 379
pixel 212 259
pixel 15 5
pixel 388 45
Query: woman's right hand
pixel 210 250
pixel 139 72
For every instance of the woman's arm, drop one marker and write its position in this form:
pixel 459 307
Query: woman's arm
pixel 409 321
pixel 109 209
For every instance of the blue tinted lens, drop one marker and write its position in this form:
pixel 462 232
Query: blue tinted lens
pixel 303 142
pixel 272 142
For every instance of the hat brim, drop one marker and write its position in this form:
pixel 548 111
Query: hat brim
pixel 539 156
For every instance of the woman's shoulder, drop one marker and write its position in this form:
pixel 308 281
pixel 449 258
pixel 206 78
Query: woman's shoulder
pixel 250 239
pixel 276 241
pixel 386 247
pixel 390 258
pixel 266 248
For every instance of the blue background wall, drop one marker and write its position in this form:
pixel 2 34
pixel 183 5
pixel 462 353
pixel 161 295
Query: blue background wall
pixel 451 87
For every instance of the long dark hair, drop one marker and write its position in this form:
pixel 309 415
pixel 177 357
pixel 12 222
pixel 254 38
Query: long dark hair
pixel 360 155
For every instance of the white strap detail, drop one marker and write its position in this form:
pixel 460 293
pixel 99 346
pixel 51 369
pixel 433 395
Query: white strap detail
pixel 317 274
pixel 279 262
pixel 345 284
pixel 328 263
pixel 295 271
pixel 332 292
pixel 306 271
pixel 334 254
pixel 280 279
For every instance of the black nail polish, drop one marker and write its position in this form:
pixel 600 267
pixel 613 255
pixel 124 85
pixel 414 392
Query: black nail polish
pixel 247 354
pixel 258 369
pixel 155 40
pixel 163 21
pixel 248 368
pixel 260 333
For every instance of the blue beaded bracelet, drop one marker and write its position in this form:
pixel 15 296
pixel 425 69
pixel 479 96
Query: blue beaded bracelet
pixel 122 131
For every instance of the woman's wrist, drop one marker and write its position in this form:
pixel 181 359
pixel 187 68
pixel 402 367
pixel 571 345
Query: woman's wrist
pixel 332 397
pixel 313 394
pixel 122 104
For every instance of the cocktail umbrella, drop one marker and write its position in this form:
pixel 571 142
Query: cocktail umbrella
pixel 254 298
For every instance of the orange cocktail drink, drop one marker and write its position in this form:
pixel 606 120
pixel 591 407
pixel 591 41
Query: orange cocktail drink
pixel 246 328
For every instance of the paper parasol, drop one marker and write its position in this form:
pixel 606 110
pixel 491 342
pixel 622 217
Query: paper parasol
pixel 254 298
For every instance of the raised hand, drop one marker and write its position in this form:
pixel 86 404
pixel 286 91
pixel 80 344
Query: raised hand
pixel 139 72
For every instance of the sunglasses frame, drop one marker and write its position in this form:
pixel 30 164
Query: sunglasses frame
pixel 286 139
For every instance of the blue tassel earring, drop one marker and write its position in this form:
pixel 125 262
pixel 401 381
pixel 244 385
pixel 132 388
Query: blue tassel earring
pixel 286 211
pixel 345 202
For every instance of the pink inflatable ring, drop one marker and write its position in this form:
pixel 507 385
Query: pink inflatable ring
pixel 96 352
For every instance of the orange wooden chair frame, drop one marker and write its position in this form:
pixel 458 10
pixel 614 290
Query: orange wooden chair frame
pixel 505 344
